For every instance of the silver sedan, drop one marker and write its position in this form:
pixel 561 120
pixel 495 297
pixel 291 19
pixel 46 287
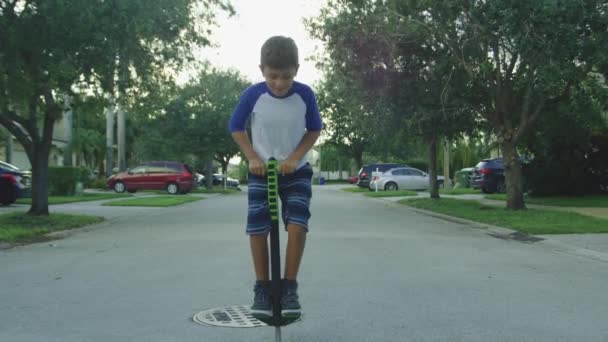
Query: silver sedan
pixel 402 178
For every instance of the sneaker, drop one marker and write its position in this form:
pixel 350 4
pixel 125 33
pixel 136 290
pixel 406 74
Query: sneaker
pixel 290 305
pixel 262 305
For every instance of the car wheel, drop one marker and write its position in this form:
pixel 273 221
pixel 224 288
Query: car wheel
pixel 172 188
pixel 119 187
pixel 500 186
pixel 391 186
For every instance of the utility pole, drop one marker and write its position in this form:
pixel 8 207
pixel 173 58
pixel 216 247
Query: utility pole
pixel 110 135
pixel 67 126
pixel 121 138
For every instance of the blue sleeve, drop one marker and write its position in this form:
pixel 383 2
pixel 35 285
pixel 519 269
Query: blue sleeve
pixel 241 112
pixel 313 117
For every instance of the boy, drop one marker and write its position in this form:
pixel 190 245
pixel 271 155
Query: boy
pixel 285 123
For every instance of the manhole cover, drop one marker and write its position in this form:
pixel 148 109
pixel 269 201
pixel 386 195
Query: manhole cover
pixel 231 316
pixel 517 236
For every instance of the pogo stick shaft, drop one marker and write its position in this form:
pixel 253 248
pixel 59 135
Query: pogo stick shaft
pixel 275 254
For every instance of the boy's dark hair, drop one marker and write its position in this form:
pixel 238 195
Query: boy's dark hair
pixel 279 52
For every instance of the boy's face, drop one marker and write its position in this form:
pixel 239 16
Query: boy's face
pixel 279 81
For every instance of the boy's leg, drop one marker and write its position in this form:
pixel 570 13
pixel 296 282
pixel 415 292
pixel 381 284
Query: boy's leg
pixel 258 222
pixel 259 254
pixel 290 303
pixel 296 240
pixel 262 307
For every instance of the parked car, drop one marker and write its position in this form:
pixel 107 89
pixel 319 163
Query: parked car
pixel 14 183
pixel 353 180
pixel 403 178
pixel 463 177
pixel 489 176
pixel 365 174
pixel 175 177
pixel 218 179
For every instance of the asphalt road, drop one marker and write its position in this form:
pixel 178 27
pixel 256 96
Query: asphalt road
pixel 372 271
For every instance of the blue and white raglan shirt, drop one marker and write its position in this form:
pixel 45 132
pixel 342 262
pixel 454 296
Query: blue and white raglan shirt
pixel 277 123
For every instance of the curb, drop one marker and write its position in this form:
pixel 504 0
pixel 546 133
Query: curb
pixel 508 234
pixel 496 231
pixel 55 235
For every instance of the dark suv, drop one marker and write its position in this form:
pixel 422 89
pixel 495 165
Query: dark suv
pixel 365 174
pixel 175 177
pixel 489 176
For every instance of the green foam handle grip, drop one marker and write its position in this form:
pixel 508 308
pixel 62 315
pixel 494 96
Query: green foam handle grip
pixel 272 177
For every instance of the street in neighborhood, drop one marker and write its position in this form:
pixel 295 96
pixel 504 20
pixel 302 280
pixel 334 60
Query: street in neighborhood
pixel 373 270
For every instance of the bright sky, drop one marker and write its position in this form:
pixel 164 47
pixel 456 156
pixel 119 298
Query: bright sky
pixel 241 36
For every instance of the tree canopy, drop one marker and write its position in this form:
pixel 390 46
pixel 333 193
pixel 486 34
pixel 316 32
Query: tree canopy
pixel 444 66
pixel 49 47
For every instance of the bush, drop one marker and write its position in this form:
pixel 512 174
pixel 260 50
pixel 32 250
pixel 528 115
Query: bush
pixel 63 179
pixel 99 183
pixel 570 169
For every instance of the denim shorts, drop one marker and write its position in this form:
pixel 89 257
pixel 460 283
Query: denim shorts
pixel 295 194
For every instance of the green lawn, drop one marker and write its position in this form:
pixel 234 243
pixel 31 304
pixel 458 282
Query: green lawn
pixel 20 227
pixel 398 193
pixel 71 199
pixel 595 201
pixel 215 190
pixel 355 188
pixel 154 201
pixel 459 191
pixel 531 221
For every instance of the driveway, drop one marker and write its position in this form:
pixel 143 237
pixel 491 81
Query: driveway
pixel 373 271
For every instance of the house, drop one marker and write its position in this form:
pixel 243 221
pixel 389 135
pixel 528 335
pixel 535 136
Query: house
pixel 19 156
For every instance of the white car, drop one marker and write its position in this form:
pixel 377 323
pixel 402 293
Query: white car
pixel 403 178
pixel 218 179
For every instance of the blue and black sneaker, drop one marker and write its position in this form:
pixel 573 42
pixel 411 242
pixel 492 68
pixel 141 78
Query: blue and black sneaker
pixel 290 305
pixel 262 304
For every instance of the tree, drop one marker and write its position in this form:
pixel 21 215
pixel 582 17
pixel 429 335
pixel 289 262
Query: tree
pixel 348 123
pixel 88 141
pixel 520 57
pixel 145 42
pixel 193 122
pixel 410 83
pixel 570 145
pixel 50 46
pixel 506 61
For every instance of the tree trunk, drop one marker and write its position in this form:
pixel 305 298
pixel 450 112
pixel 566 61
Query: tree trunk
pixel 225 167
pixel 225 172
pixel 358 157
pixel 433 167
pixel 209 173
pixel 40 180
pixel 446 164
pixel 513 176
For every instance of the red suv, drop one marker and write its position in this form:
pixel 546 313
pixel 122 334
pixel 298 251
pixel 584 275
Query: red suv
pixel 174 177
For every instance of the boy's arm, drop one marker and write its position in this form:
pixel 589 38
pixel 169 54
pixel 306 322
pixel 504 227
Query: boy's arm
pixel 256 165
pixel 308 140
